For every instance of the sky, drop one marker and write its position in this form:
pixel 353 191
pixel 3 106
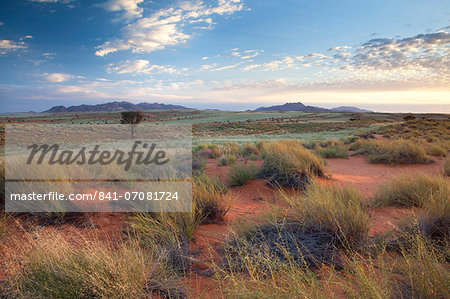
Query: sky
pixel 391 56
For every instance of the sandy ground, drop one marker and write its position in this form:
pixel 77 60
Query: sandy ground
pixel 253 198
pixel 249 201
pixel 367 177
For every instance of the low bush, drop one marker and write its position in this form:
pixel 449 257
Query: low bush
pixel 436 150
pixel 209 199
pixel 446 167
pixel 331 208
pixel 231 148
pixel 240 174
pixel 207 150
pixel 250 149
pixel 331 149
pixel 288 163
pixel 409 190
pixel 226 160
pixel 56 268
pixel 393 152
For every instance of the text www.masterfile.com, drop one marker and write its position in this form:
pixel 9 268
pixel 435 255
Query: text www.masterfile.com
pixel 95 196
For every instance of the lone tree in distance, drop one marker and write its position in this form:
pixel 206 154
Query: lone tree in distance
pixel 132 118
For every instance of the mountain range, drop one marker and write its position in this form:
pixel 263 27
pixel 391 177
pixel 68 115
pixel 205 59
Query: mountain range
pixel 127 106
pixel 301 107
pixel 114 106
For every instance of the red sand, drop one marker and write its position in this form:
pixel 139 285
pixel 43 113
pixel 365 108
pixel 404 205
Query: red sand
pixel 368 177
pixel 249 201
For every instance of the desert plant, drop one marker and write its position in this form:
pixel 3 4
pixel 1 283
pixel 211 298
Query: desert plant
pixel 231 148
pixel 424 269
pixel 436 150
pixel 288 163
pixel 131 118
pixel 331 149
pixel 446 167
pixel 207 150
pixel 249 149
pixel 409 190
pixel 331 208
pixel 209 199
pixel 393 152
pixel 226 160
pixel 240 174
pixel 56 268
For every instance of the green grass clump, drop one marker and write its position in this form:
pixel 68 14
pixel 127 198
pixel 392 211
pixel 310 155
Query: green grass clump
pixel 209 199
pixel 446 167
pixel 331 149
pixel 57 268
pixel 207 150
pixel 226 160
pixel 409 191
pixel 249 149
pixel 288 163
pixel 332 208
pixel 436 150
pixel 240 174
pixel 393 152
pixel 231 148
pixel 425 269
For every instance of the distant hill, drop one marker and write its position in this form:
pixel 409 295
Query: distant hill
pixel 350 109
pixel 301 107
pixel 114 106
pixel 293 107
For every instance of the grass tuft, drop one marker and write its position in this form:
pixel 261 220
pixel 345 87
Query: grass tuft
pixel 392 152
pixel 288 163
pixel 57 268
pixel 331 208
pixel 412 191
pixel 240 174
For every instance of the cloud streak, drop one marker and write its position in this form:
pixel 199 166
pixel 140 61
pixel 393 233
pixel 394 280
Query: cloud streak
pixel 166 27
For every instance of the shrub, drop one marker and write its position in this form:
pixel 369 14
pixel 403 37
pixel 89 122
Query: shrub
pixel 226 160
pixel 231 148
pixel 351 139
pixel 332 149
pixel 207 150
pixel 446 167
pixel 210 201
pixel 424 269
pixel 436 150
pixel 331 208
pixel 409 190
pixel 288 163
pixel 249 149
pixel 57 268
pixel 240 174
pixel 393 152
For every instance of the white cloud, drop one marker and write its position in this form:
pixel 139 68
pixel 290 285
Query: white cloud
pixel 60 77
pixel 208 66
pixel 250 67
pixel 138 67
pixel 130 7
pixel 227 67
pixel 8 45
pixel 165 27
pixel 287 62
pixel 45 1
pixel 28 36
pixel 1 23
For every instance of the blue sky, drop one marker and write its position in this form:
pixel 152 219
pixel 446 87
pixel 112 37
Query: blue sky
pixel 228 54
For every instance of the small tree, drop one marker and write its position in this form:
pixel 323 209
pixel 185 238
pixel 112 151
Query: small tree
pixel 131 118
pixel 409 117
